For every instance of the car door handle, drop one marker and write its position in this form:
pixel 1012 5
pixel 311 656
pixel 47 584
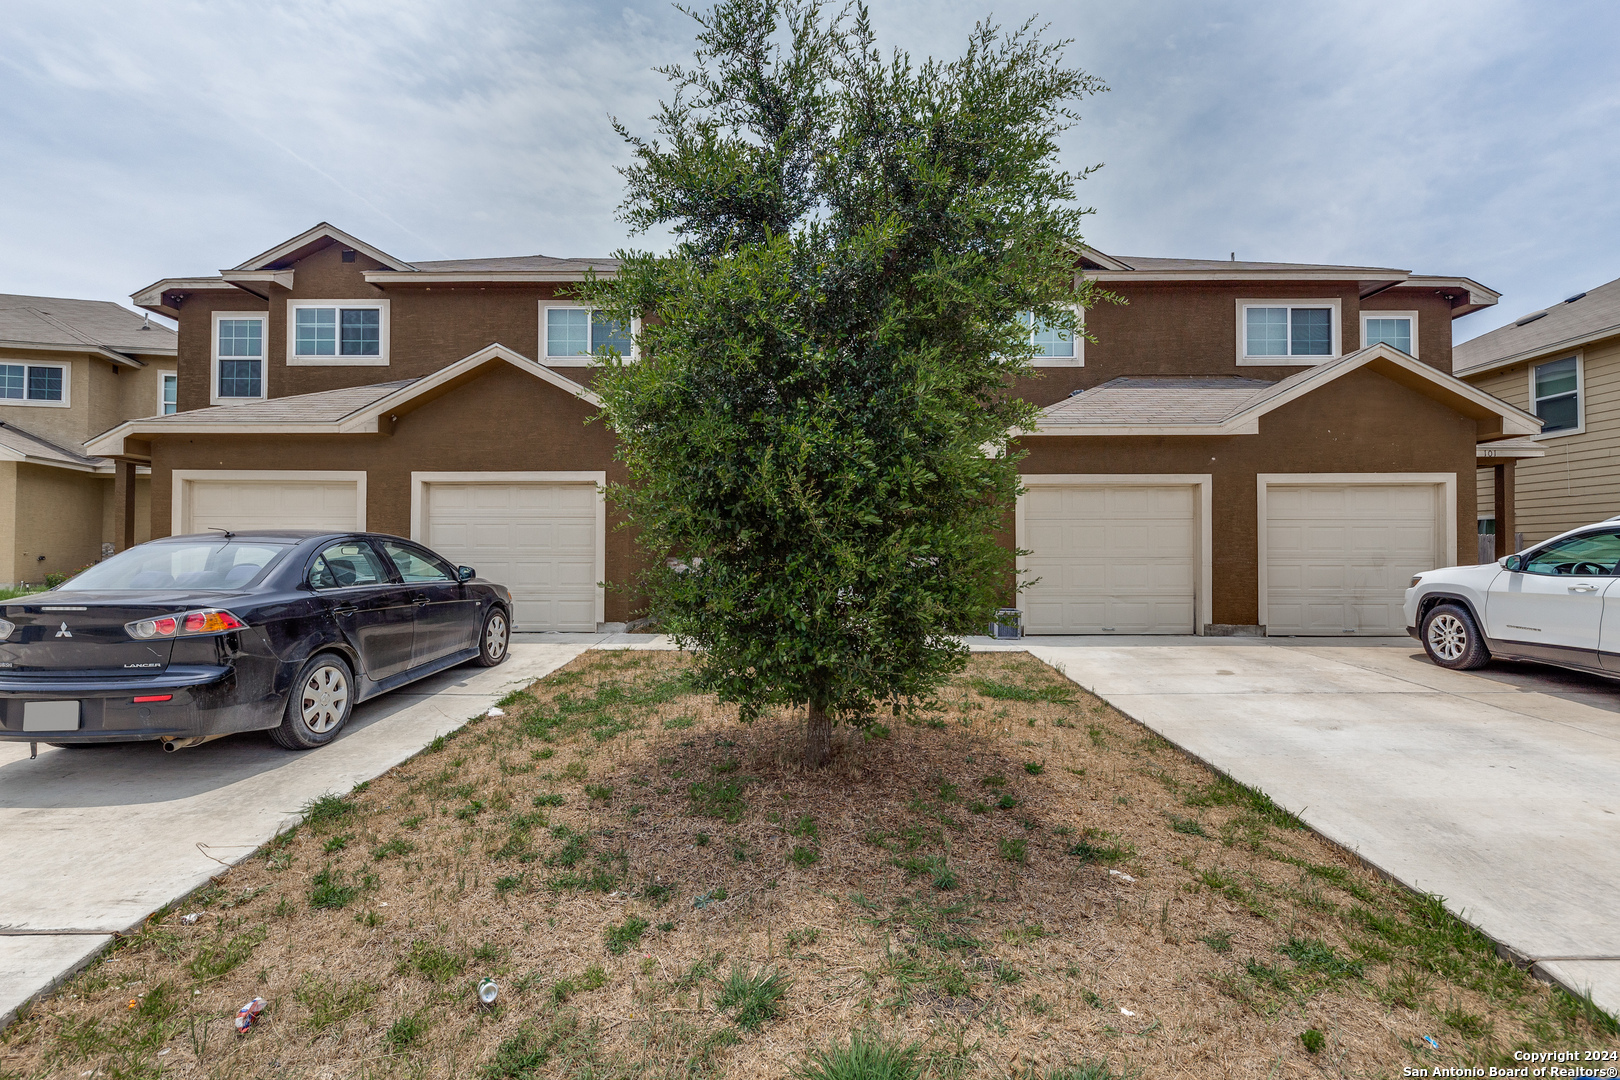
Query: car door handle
pixel 1583 588
pixel 344 610
pixel 420 600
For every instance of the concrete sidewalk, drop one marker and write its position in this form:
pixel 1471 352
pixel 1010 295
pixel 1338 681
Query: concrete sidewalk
pixel 97 839
pixel 1496 789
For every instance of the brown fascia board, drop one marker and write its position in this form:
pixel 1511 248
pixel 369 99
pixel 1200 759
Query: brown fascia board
pixel 258 282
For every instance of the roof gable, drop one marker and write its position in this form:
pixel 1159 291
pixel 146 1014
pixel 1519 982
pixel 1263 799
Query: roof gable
pixel 288 252
pixel 1221 406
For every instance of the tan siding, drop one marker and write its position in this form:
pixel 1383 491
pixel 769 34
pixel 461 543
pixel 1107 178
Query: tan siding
pixel 1578 482
pixel 59 517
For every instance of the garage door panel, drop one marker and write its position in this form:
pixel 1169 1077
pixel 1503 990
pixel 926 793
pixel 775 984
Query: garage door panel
pixel 1339 556
pixel 240 505
pixel 538 539
pixel 1110 559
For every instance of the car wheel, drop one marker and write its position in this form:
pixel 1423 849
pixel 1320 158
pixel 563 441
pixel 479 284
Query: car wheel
pixel 495 639
pixel 319 705
pixel 1452 639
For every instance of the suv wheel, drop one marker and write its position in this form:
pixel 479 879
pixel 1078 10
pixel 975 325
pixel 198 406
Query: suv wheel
pixel 1452 639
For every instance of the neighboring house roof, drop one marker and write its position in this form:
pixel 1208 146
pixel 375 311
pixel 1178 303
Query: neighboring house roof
pixel 348 411
pixel 1583 318
pixel 19 445
pixel 1465 294
pixel 96 326
pixel 1218 405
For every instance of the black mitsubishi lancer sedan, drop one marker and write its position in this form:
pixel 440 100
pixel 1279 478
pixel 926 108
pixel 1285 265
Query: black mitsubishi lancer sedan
pixel 189 638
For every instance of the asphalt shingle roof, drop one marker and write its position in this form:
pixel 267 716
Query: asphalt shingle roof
pixel 516 263
pixel 1149 263
pixel 325 406
pixel 1135 400
pixel 52 320
pixel 1598 310
pixel 27 443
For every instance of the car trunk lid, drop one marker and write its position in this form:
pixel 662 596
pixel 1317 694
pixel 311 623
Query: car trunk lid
pixel 87 637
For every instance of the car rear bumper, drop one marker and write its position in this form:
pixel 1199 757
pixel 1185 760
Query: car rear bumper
pixel 201 700
pixel 1412 631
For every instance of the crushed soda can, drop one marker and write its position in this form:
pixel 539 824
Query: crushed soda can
pixel 248 1014
pixel 191 919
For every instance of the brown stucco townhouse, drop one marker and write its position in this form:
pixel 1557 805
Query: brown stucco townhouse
pixel 1243 445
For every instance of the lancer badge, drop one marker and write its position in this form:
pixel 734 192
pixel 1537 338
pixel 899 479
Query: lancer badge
pixel 64 632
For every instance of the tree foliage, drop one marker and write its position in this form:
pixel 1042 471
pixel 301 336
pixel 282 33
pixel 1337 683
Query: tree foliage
pixel 816 426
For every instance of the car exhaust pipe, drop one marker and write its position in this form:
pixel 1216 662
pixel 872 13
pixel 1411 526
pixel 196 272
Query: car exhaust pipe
pixel 170 745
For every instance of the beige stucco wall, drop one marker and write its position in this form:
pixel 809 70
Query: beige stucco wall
pixel 8 524
pixel 1578 482
pixel 58 515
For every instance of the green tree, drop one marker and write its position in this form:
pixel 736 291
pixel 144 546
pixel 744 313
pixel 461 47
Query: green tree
pixel 816 428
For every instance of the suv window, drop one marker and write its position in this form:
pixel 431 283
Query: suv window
pixel 1591 554
pixel 347 563
pixel 416 565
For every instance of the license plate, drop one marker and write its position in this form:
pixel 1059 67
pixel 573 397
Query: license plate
pixel 50 716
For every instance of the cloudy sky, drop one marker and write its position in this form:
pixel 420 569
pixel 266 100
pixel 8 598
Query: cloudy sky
pixel 142 140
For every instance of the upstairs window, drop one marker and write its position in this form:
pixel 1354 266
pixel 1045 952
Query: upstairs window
pixel 1555 395
pixel 1397 329
pixel 238 357
pixel 1049 341
pixel 1287 331
pixel 168 394
pixel 33 384
pixel 334 332
pixel 576 334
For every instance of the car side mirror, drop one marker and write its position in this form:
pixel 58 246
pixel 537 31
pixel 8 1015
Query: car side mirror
pixel 1513 562
pixel 465 573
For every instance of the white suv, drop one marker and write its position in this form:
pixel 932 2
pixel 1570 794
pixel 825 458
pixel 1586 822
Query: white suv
pixel 1549 604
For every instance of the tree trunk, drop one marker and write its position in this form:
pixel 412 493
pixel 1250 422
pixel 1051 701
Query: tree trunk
pixel 817 736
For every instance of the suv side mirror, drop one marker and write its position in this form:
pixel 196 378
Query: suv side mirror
pixel 1513 562
pixel 465 573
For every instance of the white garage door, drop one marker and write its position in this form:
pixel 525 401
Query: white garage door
pixel 539 540
pixel 1339 556
pixel 1111 560
pixel 277 503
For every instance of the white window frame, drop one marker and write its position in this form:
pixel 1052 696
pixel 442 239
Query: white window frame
pixel 1580 394
pixel 165 376
pixel 1336 348
pixel 577 359
pixel 339 360
pixel 67 385
pixel 1079 357
pixel 213 352
pixel 1412 315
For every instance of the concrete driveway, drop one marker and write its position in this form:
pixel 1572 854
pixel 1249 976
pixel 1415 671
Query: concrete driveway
pixel 1498 789
pixel 94 840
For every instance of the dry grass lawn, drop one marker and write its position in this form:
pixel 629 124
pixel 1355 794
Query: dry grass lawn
pixel 1015 880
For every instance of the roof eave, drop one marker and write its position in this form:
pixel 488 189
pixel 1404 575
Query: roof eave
pixel 436 277
pixel 1539 351
pixel 154 297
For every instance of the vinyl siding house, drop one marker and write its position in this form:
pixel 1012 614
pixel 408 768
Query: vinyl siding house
pixel 70 369
pixel 1232 453
pixel 1563 364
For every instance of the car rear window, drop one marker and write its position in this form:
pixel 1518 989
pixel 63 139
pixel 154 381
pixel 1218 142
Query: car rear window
pixel 203 565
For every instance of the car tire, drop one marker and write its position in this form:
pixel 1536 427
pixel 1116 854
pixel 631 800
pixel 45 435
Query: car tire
pixel 494 637
pixel 319 705
pixel 1452 638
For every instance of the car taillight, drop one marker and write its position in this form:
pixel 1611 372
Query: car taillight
pixel 209 621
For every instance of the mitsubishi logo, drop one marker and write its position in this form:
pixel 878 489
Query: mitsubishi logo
pixel 64 632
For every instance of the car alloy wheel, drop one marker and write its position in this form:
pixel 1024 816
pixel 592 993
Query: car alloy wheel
pixel 1448 637
pixel 325 699
pixel 495 637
